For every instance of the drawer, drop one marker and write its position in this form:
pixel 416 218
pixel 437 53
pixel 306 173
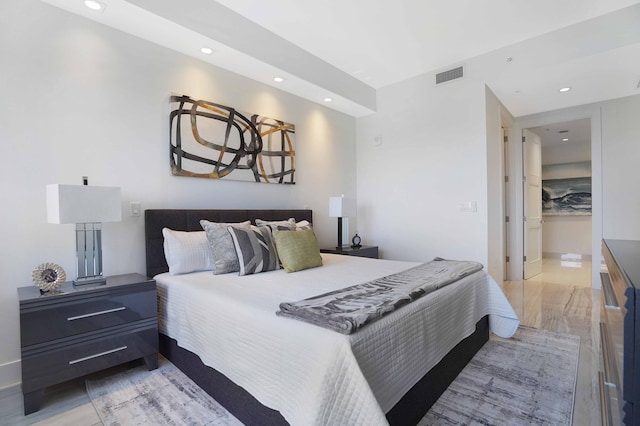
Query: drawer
pixel 371 252
pixel 610 414
pixel 610 361
pixel 65 318
pixel 612 334
pixel 45 365
pixel 617 282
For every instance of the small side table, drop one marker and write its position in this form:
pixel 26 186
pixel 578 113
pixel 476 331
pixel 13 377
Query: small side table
pixel 364 251
pixel 75 331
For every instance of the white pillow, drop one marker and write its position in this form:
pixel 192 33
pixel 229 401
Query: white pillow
pixel 187 251
pixel 302 225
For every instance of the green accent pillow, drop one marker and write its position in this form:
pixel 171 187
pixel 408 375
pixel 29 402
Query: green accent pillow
pixel 297 250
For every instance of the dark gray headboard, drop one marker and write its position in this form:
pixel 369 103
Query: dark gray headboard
pixel 189 220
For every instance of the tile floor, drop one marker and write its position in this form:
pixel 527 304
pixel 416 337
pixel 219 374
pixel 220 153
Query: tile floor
pixel 561 299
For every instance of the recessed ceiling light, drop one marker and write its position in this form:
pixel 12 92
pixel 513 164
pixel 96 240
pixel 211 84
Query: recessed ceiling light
pixel 565 139
pixel 207 50
pixel 94 5
pixel 328 99
pixel 278 79
pixel 565 89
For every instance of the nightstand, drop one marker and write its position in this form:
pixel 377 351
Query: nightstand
pixel 80 330
pixel 364 251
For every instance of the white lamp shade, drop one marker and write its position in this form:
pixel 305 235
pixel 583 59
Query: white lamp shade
pixel 83 204
pixel 342 207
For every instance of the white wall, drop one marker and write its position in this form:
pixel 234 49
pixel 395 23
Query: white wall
pixel 431 158
pixel 620 177
pixel 566 234
pixel 80 99
pixel 566 153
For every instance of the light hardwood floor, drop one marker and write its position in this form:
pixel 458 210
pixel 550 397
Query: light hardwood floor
pixel 560 299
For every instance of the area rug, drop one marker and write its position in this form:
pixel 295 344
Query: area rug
pixel 160 397
pixel 529 379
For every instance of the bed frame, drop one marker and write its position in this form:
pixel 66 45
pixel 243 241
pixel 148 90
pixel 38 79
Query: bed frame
pixel 408 411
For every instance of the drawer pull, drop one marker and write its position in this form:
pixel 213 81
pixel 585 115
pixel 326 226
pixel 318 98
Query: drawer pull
pixel 605 409
pixel 75 361
pixel 93 314
pixel 610 300
pixel 606 356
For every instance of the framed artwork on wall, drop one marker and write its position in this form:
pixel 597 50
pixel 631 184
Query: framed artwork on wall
pixel 566 197
pixel 215 141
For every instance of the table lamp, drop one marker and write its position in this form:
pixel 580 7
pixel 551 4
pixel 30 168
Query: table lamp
pixel 87 207
pixel 341 207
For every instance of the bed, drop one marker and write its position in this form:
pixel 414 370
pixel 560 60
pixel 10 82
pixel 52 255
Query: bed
pixel 268 370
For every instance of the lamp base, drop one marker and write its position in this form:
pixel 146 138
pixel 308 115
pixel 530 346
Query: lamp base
pixel 93 281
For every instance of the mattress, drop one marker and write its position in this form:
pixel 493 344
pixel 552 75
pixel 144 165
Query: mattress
pixel 312 375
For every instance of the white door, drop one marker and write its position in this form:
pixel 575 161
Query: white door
pixel 532 170
pixel 506 214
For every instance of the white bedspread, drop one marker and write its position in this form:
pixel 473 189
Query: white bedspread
pixel 312 375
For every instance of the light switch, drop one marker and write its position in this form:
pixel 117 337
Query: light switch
pixel 135 208
pixel 468 207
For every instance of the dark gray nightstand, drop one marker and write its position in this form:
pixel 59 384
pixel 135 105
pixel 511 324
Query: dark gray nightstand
pixel 364 251
pixel 78 331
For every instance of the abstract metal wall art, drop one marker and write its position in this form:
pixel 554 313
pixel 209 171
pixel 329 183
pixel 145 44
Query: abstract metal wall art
pixel 216 141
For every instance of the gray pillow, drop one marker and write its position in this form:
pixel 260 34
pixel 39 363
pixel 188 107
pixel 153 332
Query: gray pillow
pixel 281 225
pixel 225 259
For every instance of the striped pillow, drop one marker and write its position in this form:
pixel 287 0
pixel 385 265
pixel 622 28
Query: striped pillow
pixel 255 249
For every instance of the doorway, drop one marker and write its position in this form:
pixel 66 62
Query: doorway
pixel 566 201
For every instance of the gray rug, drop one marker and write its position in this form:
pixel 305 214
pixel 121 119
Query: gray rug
pixel 160 397
pixel 526 380
pixel 529 379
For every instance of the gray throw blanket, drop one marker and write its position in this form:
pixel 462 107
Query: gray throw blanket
pixel 351 308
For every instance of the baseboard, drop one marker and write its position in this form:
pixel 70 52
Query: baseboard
pixel 10 374
pixel 549 255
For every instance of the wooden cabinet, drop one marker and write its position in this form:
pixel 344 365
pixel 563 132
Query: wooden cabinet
pixel 75 331
pixel 620 333
pixel 364 251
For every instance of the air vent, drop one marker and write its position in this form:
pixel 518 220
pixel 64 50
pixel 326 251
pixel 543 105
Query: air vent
pixel 449 75
pixel 563 131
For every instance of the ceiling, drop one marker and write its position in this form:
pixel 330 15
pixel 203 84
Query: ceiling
pixel 346 50
pixel 576 131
